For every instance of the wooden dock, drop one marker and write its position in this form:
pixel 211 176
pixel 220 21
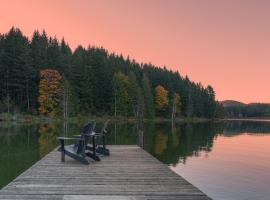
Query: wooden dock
pixel 130 173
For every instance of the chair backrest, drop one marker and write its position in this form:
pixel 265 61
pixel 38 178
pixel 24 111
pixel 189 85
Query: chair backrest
pixel 103 130
pixel 87 129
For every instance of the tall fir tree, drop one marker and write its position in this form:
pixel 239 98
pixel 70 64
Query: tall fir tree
pixel 39 48
pixel 81 80
pixel 18 71
pixel 149 109
pixel 54 55
pixel 122 100
pixel 65 58
pixel 135 94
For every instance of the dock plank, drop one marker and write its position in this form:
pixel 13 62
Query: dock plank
pixel 130 172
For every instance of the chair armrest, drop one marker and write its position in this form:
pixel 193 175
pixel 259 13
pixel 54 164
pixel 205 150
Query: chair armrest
pixel 76 136
pixel 98 134
pixel 91 134
pixel 66 138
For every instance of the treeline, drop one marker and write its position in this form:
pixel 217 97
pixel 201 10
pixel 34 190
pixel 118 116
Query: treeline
pixel 98 82
pixel 249 110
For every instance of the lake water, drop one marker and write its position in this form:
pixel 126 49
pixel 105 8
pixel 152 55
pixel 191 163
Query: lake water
pixel 228 160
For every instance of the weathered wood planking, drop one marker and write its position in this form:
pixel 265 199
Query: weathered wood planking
pixel 129 171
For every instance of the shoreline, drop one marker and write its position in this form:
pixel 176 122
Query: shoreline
pixel 248 119
pixel 28 118
pixel 24 118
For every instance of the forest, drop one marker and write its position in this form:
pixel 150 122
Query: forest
pixel 92 81
pixel 252 110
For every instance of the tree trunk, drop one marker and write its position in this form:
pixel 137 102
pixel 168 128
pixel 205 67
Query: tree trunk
pixel 27 96
pixel 114 106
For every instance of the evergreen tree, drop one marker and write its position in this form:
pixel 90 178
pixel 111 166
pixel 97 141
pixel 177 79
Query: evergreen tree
pixel 39 48
pixel 18 71
pixel 54 55
pixel 81 80
pixel 135 95
pixel 149 111
pixel 2 73
pixel 101 76
pixel 122 99
pixel 211 102
pixel 65 58
pixel 176 106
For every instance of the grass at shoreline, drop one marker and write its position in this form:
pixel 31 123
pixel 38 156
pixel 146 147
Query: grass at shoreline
pixel 27 118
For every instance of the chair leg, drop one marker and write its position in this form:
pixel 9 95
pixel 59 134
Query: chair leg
pixel 94 145
pixel 62 150
pixel 103 150
pixel 93 155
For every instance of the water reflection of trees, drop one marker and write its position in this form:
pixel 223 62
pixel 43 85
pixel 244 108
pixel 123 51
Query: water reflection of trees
pixel 121 133
pixel 18 150
pixel 232 128
pixel 47 138
pixel 173 144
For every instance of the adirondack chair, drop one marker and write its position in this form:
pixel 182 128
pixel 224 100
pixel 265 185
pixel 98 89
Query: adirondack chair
pixel 78 150
pixel 100 146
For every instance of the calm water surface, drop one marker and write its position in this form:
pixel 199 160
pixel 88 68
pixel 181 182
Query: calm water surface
pixel 225 160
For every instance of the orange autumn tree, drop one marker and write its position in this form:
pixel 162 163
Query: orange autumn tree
pixel 50 92
pixel 161 98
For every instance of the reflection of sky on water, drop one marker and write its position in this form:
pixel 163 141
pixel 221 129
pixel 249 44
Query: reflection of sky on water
pixel 237 168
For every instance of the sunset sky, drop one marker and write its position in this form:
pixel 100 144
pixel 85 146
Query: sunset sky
pixel 224 43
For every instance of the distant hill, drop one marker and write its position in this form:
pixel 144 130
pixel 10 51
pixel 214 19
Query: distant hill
pixel 232 103
pixel 236 109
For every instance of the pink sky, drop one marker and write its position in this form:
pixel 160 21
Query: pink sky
pixel 225 43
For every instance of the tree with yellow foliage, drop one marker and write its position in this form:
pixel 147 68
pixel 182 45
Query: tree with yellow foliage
pixel 50 92
pixel 176 105
pixel 47 138
pixel 161 98
pixel 160 145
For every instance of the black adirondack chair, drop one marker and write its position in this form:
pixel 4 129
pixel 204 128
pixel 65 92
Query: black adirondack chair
pixel 78 150
pixel 100 146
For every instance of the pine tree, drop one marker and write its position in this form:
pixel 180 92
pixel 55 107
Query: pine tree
pixel 39 50
pixel 211 102
pixel 122 101
pixel 135 95
pixel 176 106
pixel 101 77
pixel 2 73
pixel 65 58
pixel 149 111
pixel 81 80
pixel 54 55
pixel 18 71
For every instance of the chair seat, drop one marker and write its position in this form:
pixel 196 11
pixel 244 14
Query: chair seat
pixel 70 148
